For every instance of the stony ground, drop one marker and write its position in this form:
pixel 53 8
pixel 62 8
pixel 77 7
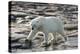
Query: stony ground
pixel 24 12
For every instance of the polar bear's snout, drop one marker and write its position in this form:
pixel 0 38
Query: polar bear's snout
pixel 32 28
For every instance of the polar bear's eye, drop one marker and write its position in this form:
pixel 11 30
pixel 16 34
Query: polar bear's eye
pixel 37 21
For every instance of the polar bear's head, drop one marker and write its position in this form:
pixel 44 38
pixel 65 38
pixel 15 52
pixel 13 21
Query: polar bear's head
pixel 35 23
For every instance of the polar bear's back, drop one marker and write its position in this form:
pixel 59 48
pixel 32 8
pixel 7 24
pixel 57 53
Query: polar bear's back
pixel 53 24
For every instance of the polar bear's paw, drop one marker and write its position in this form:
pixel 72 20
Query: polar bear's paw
pixel 55 42
pixel 45 44
pixel 28 43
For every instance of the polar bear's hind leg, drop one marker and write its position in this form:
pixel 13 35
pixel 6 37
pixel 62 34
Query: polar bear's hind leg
pixel 63 35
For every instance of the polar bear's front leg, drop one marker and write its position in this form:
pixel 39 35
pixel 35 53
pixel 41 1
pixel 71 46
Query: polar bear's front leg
pixel 45 42
pixel 28 40
pixel 31 34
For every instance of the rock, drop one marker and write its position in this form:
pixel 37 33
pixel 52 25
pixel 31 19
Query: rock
pixel 73 34
pixel 16 45
pixel 70 26
pixel 18 13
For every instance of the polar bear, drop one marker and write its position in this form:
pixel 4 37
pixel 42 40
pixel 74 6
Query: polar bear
pixel 46 25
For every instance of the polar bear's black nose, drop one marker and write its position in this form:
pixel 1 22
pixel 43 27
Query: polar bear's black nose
pixel 32 28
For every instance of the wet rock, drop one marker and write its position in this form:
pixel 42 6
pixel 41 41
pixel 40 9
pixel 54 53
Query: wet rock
pixel 16 45
pixel 71 26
